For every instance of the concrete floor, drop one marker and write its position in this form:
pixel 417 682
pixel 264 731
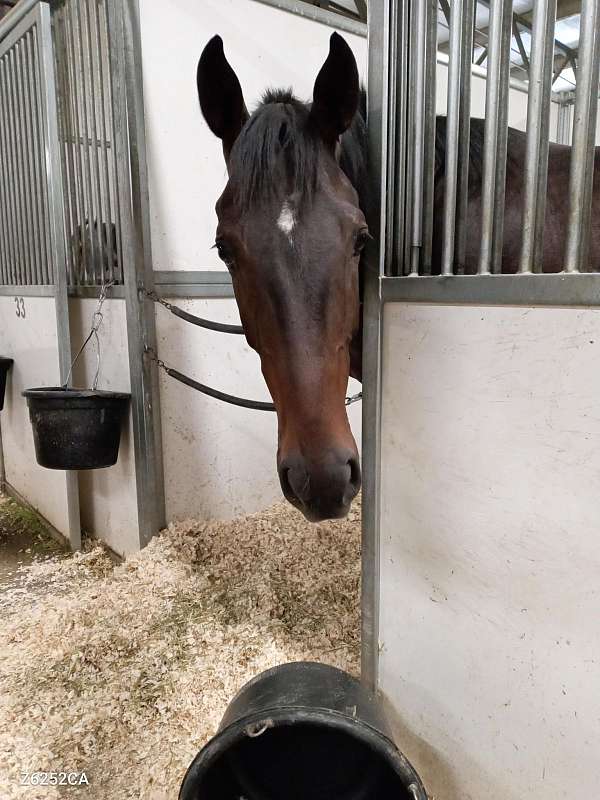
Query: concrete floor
pixel 23 540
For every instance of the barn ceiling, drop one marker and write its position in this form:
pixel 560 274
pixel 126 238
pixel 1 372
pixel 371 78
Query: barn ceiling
pixel 566 41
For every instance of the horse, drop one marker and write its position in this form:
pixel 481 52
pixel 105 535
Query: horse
pixel 291 231
pixel 556 219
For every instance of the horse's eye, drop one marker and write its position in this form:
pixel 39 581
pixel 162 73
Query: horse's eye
pixel 362 237
pixel 224 252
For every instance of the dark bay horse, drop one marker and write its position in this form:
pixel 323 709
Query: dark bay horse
pixel 291 230
pixel 557 202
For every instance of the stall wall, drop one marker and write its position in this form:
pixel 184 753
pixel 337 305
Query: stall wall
pixel 490 547
pixel 30 339
pixel 107 497
pixel 219 460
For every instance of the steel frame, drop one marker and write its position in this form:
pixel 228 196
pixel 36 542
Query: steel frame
pixel 27 15
pixel 130 144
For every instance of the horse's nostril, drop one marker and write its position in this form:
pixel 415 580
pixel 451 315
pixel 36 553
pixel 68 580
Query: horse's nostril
pixel 355 475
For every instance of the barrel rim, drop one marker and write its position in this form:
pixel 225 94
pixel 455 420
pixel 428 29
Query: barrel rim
pixel 281 716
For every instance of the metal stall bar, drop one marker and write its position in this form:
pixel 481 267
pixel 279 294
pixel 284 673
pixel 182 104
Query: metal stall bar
pixel 429 133
pixel 464 134
pixel 39 99
pixel 313 12
pixel 57 236
pixel 129 141
pixel 457 138
pixel 6 229
pixel 418 125
pixel 32 148
pixel 495 141
pixel 380 90
pixel 584 132
pixel 19 121
pixel 108 218
pixel 66 133
pixel 89 83
pixel 538 135
pixel 402 167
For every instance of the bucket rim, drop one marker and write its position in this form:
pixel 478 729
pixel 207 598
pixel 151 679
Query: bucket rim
pixel 6 361
pixel 280 716
pixel 61 393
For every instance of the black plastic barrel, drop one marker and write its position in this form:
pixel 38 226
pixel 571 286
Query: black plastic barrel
pixel 5 365
pixel 76 428
pixel 302 731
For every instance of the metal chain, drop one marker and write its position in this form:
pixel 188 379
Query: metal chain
pixel 97 319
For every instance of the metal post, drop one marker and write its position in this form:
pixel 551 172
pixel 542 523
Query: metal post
pixel 538 135
pixel 429 134
pixel 381 79
pixel 464 136
pixel 584 132
pixel 564 118
pixel 129 141
pixel 457 131
pixel 57 235
pixel 496 136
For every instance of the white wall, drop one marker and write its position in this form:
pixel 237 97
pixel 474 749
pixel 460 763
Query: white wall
pixel 107 497
pixel 32 343
pixel 517 101
pixel 490 555
pixel 219 460
pixel 266 47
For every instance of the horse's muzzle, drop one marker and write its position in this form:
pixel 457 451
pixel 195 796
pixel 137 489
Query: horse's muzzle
pixel 322 489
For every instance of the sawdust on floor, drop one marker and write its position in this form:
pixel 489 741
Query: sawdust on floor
pixel 124 671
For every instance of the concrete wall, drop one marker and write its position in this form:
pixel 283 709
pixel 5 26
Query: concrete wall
pixel 32 342
pixel 490 554
pixel 219 460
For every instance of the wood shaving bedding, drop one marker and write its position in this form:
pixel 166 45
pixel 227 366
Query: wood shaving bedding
pixel 124 672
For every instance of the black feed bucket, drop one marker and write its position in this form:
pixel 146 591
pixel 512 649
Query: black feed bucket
pixel 302 731
pixel 5 365
pixel 76 428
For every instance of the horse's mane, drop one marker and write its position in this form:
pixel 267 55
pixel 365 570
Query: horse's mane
pixel 280 124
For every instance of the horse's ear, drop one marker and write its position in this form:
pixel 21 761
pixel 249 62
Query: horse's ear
pixel 337 91
pixel 220 93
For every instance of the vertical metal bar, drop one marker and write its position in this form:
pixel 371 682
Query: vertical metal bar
pixel 110 245
pixel 538 135
pixel 63 132
pixel 584 132
pixel 495 141
pixel 113 156
pixel 464 136
pixel 25 132
pixel 89 170
pixel 429 134
pixel 405 165
pixel 57 233
pixel 418 55
pixel 130 148
pixel 77 234
pixel 39 88
pixel 23 276
pixel 394 250
pixel 22 165
pixel 8 156
pixel 457 43
pixel 7 256
pixel 32 157
pixel 79 139
pixel 97 227
pixel 380 96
